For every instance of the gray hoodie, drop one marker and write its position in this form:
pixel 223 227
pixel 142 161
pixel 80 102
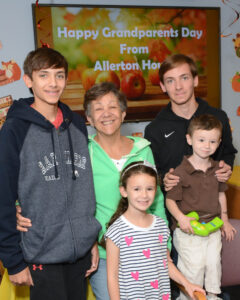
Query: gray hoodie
pixel 49 172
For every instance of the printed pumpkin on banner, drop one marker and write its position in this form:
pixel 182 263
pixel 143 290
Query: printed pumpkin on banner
pixel 236 82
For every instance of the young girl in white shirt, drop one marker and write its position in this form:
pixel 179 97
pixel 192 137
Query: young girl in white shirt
pixel 138 262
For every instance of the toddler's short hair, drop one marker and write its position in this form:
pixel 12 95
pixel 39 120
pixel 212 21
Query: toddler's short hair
pixel 204 122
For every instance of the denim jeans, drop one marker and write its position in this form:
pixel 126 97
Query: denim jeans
pixel 98 281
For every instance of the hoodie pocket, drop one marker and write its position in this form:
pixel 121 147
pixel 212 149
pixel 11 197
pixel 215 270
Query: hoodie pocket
pixel 54 245
pixel 61 242
pixel 85 232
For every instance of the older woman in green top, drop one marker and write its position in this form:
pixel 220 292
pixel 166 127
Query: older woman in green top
pixel 105 108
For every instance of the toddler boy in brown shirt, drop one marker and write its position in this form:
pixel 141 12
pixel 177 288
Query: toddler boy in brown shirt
pixel 199 258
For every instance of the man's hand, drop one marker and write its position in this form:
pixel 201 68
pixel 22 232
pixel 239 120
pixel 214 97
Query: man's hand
pixel 228 231
pixel 95 260
pixel 22 278
pixel 224 173
pixel 170 180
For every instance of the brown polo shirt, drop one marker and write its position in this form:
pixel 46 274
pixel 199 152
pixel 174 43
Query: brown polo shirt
pixel 197 191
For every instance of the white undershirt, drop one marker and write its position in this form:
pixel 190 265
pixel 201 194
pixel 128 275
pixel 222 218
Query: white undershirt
pixel 119 163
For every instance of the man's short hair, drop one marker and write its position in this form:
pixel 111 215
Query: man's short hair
pixel 100 90
pixel 44 58
pixel 204 122
pixel 174 61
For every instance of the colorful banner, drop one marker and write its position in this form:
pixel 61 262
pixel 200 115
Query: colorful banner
pixel 126 45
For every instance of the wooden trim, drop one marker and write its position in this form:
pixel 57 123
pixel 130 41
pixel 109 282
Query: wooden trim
pixel 233 201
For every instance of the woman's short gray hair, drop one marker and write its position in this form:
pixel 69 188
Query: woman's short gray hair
pixel 100 90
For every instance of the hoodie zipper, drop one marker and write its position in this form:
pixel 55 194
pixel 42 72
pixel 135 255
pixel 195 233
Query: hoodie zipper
pixel 66 195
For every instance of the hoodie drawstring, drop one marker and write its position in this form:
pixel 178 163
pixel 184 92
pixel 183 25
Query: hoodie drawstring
pixel 71 153
pixel 54 155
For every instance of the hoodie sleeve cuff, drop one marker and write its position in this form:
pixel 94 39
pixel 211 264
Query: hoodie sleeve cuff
pixel 17 269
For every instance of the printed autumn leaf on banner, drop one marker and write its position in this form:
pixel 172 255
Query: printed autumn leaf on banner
pixel 70 18
pixel 189 17
pixel 158 51
pixel 159 16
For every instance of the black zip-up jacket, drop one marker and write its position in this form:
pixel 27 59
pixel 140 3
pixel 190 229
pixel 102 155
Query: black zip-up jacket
pixel 167 134
pixel 49 172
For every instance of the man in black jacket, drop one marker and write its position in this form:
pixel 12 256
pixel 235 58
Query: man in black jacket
pixel 167 132
pixel 178 78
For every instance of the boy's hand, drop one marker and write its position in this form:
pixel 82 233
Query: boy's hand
pixel 228 231
pixel 22 223
pixel 170 180
pixel 224 173
pixel 191 288
pixel 185 225
pixel 94 260
pixel 22 278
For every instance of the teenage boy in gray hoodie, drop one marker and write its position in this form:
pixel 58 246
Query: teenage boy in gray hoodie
pixel 45 165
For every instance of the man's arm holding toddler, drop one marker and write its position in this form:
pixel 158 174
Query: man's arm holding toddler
pixel 227 229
